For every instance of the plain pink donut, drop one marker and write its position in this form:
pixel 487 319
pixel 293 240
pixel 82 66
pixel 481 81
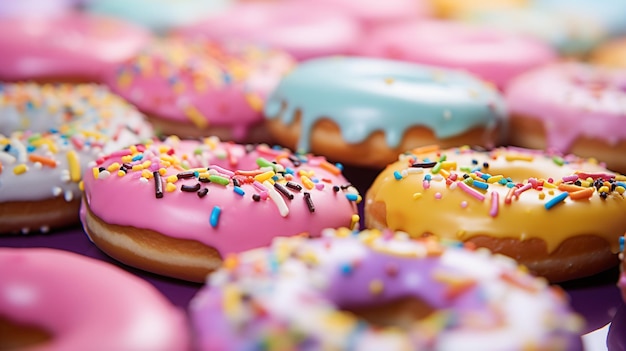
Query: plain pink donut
pixel 72 45
pixel 302 30
pixel 86 304
pixel 494 56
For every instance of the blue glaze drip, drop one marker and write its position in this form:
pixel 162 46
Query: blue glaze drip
pixel 364 95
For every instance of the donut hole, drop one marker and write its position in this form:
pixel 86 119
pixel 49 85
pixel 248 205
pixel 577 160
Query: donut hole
pixel 14 336
pixel 401 312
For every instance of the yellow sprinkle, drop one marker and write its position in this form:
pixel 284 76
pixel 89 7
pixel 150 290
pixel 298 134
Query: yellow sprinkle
pixel 542 195
pixel 303 173
pixel 124 79
pixel 620 178
pixel 549 185
pixel 230 262
pixel 74 166
pixel 444 173
pixel 231 300
pixel 495 179
pixel 339 322
pixel 20 169
pixel 96 172
pixel 307 182
pixel 603 189
pixel 81 186
pixel 146 164
pixel 113 167
pixel 146 174
pixel 196 117
pixel 127 159
pixel 376 287
pixel 255 102
pixel 264 176
pixel 448 165
pixel 551 192
pixel 343 232
pixel 171 179
pixel 585 184
pixel 170 187
pixel 137 168
pixel 518 157
pixel 417 196
pixel 354 221
pixel 121 173
pixel 620 189
pixel 389 80
pixel 162 171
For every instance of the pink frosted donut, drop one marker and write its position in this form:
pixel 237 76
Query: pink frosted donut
pixel 572 108
pixel 375 290
pixel 178 207
pixel 373 13
pixel 56 300
pixel 194 88
pixel 494 56
pixel 303 30
pixel 71 47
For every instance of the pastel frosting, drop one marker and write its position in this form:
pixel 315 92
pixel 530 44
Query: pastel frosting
pixel 86 304
pixel 610 13
pixel 158 15
pixel 495 56
pixel 67 47
pixel 364 95
pixel 35 7
pixel 504 193
pixel 224 195
pixel 569 34
pixel 302 30
pixel 201 82
pixel 49 134
pixel 572 100
pixel 298 294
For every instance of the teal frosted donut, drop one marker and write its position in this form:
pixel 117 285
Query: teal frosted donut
pixel 364 111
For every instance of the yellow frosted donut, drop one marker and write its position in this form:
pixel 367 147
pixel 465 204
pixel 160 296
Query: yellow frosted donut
pixel 561 216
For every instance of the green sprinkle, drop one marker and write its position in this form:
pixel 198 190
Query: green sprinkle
pixel 559 161
pixel 219 179
pixel 261 162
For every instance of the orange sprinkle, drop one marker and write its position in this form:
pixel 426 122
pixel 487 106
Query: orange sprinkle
pixel 46 161
pixel 425 149
pixel 581 194
pixel 570 188
pixel 330 168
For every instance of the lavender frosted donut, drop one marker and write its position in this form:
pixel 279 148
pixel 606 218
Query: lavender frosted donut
pixel 378 291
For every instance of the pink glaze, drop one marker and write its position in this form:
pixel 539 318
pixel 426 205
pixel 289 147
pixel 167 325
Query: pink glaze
pixel 373 13
pixel 202 82
pixel 572 100
pixel 86 304
pixel 494 56
pixel 72 45
pixel 243 223
pixel 303 30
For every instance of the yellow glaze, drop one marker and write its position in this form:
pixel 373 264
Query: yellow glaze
pixel 448 209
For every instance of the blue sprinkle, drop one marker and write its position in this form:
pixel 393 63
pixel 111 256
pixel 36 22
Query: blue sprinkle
pixel 555 200
pixel 485 176
pixel 339 165
pixel 428 177
pixel 480 185
pixel 30 105
pixel 226 77
pixel 622 184
pixel 427 160
pixel 503 181
pixel 621 243
pixel 315 180
pixel 476 169
pixel 510 185
pixel 346 269
pixel 196 174
pixel 239 191
pixel 137 157
pixel 289 170
pixel 53 131
pixel 275 178
pixel 352 197
pixel 30 148
pixel 215 216
pixel 277 147
pixel 397 175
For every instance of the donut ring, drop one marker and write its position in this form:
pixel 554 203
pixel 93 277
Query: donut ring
pixel 105 308
pixel 48 134
pixel 379 291
pixel 198 88
pixel 365 112
pixel 589 100
pixel 559 216
pixel 200 201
